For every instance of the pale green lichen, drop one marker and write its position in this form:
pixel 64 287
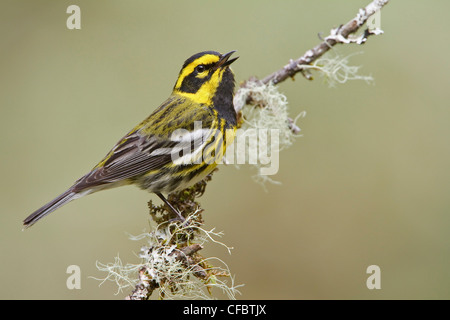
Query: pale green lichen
pixel 265 122
pixel 336 69
pixel 262 107
pixel 169 259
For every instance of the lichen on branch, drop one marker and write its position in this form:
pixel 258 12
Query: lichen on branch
pixel 171 263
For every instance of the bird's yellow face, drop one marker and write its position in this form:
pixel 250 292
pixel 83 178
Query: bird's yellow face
pixel 202 75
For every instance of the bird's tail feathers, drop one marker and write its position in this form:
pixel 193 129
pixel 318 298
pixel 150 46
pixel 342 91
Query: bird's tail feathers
pixel 59 201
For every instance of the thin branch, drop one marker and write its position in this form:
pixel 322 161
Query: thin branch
pixel 337 35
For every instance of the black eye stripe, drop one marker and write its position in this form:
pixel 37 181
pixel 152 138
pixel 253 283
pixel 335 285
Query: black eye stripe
pixel 200 68
pixel 193 81
pixel 191 84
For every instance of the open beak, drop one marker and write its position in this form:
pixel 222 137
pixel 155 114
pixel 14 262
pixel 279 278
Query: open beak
pixel 224 62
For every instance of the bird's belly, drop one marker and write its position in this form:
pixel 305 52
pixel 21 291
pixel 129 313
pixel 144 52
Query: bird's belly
pixel 175 179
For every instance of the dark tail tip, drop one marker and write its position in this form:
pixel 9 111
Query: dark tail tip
pixel 59 201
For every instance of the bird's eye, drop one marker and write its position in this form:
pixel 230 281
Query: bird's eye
pixel 200 68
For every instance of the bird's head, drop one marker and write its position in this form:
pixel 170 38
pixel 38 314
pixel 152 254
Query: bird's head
pixel 206 75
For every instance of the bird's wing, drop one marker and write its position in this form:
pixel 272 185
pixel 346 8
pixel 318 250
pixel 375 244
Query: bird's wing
pixel 149 146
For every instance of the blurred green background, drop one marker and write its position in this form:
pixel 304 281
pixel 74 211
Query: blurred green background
pixel 368 183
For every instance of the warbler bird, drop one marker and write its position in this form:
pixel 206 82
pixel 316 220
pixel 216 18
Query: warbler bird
pixel 177 145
